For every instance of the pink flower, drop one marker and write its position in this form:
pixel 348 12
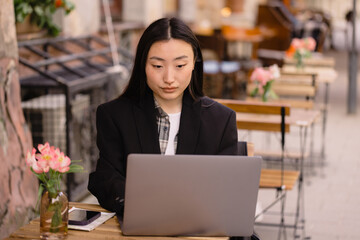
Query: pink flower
pixel 261 75
pixel 297 43
pixel 44 148
pixel 45 156
pixel 60 162
pixel 32 162
pixel 49 164
pixel 30 157
pixel 309 43
pixel 274 71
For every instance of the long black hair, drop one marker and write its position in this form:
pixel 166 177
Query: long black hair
pixel 164 29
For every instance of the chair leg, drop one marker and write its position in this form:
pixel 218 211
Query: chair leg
pixel 282 227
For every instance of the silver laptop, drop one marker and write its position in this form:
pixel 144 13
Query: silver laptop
pixel 196 195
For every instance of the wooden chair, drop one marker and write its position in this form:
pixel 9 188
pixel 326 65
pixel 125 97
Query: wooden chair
pixel 279 179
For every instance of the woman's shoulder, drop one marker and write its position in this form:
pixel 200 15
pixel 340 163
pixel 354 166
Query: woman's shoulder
pixel 117 103
pixel 210 104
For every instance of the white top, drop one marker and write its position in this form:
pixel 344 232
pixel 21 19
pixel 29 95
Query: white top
pixel 174 119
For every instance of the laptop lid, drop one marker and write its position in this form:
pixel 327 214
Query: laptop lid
pixel 197 195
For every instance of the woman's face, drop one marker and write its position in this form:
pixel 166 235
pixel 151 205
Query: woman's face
pixel 168 69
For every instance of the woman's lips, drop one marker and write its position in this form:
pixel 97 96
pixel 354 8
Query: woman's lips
pixel 169 89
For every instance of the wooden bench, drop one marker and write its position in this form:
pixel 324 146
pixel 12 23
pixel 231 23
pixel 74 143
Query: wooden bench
pixel 271 178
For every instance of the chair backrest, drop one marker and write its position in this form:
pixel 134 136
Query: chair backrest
pixel 260 116
pixel 256 111
pixel 245 148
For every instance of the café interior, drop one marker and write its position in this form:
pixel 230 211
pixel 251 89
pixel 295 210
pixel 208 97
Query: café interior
pixel 301 119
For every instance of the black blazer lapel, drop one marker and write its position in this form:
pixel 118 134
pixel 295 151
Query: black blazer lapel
pixel 145 119
pixel 189 126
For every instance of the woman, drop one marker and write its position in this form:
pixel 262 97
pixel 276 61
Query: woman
pixel 163 110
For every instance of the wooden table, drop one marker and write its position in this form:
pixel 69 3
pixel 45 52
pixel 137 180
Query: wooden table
pixel 253 36
pixel 302 118
pixel 298 117
pixel 109 230
pixel 315 60
pixel 322 74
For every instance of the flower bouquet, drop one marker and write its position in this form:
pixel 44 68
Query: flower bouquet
pixel 300 49
pixel 49 164
pixel 264 78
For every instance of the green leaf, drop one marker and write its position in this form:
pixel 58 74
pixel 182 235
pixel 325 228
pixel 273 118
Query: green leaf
pixel 75 168
pixel 40 192
pixel 53 30
pixel 56 218
pixel 254 92
pixel 40 176
pixel 39 10
pixel 68 7
pixel 273 95
pixel 22 10
pixel 75 161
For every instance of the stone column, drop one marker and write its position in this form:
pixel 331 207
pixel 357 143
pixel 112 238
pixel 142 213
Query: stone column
pixel 18 186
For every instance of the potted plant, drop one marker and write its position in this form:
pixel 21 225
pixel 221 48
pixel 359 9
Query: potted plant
pixel 40 13
pixel 264 78
pixel 301 48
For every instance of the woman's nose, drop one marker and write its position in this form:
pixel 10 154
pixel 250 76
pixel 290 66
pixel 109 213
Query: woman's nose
pixel 169 76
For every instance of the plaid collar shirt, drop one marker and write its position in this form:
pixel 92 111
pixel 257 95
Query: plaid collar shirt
pixel 163 123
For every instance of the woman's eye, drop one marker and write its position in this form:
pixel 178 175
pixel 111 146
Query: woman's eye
pixel 157 66
pixel 181 66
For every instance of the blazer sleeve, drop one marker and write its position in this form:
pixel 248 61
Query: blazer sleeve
pixel 107 183
pixel 229 140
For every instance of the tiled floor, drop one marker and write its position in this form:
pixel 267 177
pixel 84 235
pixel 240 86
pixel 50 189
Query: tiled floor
pixel 332 191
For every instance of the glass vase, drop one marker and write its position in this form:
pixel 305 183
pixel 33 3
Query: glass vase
pixel 54 216
pixel 300 62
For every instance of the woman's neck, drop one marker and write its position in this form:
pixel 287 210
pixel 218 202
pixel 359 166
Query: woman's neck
pixel 170 106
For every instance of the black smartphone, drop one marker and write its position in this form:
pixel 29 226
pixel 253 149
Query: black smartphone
pixel 82 217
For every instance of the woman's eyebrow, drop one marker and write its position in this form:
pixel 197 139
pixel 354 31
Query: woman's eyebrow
pixel 161 59
pixel 157 58
pixel 181 57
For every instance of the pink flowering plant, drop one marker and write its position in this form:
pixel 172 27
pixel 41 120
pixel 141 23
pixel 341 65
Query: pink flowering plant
pixel 49 164
pixel 300 49
pixel 264 78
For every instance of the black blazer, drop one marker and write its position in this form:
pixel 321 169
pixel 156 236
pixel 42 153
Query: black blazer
pixel 125 126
